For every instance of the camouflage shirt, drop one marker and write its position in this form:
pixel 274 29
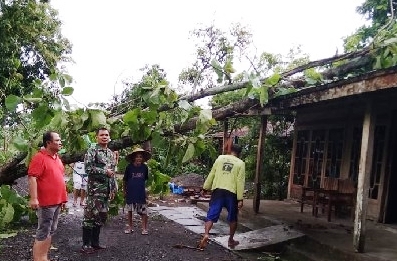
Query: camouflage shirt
pixel 97 161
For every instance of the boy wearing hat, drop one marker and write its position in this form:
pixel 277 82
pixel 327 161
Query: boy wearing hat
pixel 134 182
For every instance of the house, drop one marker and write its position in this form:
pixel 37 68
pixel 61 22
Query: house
pixel 225 141
pixel 346 130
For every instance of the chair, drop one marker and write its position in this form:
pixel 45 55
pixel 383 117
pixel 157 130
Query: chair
pixel 307 197
pixel 346 196
pixel 329 188
pixel 341 194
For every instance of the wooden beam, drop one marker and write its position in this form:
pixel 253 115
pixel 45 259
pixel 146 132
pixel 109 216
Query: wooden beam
pixel 225 136
pixel 259 162
pixel 367 144
pixel 371 82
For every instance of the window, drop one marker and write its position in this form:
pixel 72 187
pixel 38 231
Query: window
pixel 355 154
pixel 377 161
pixel 316 158
pixel 334 153
pixel 301 157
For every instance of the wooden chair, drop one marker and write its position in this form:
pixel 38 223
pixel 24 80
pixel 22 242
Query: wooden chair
pixel 346 196
pixel 307 197
pixel 337 196
pixel 314 196
pixel 330 186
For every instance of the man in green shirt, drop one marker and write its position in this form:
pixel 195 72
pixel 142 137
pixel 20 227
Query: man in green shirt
pixel 226 180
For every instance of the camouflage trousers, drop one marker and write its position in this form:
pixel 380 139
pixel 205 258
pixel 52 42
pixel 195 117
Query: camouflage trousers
pixel 96 211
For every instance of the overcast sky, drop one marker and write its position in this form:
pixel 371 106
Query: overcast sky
pixel 113 39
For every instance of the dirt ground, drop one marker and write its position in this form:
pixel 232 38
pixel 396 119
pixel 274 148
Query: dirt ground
pixel 158 245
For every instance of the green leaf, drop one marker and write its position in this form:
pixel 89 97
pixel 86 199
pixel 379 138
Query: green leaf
pixel 189 153
pixel 263 95
pixel 131 117
pixel 145 132
pixel 149 117
pixel 248 90
pixel 12 102
pixel 6 214
pixel 205 115
pixel 62 81
pixel 65 103
pixel 255 82
pixel 218 69
pixel 57 105
pixel 67 91
pixel 42 115
pixel 184 104
pixel 200 147
pixel 33 100
pixel 378 64
pixel 310 81
pixel 37 93
pixel 229 66
pixel 98 118
pixel 20 144
pixel 284 91
pixel 8 235
pixel 273 80
pixel 53 76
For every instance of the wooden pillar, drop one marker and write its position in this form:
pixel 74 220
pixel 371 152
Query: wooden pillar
pixel 367 144
pixel 225 136
pixel 259 162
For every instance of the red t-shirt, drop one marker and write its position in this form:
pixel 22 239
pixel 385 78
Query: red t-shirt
pixel 49 172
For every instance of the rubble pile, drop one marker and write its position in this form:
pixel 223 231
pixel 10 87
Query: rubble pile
pixel 189 180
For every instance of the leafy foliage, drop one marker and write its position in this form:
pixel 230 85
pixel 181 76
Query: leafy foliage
pixel 378 13
pixel 215 54
pixel 31 48
pixel 12 208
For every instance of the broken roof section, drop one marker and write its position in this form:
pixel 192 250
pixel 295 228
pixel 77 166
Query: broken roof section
pixel 360 85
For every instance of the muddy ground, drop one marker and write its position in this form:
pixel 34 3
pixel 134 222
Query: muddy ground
pixel 158 245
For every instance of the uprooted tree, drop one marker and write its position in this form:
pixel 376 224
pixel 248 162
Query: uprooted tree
pixel 150 109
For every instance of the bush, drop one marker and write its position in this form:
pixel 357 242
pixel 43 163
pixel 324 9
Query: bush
pixel 12 208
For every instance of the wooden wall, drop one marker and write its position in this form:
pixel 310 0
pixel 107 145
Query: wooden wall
pixel 345 114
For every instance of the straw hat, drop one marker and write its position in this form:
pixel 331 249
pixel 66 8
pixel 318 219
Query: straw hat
pixel 146 154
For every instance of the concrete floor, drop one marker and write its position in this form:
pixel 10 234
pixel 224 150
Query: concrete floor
pixel 335 237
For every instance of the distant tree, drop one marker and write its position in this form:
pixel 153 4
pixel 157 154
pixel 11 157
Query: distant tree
pixel 378 13
pixel 31 48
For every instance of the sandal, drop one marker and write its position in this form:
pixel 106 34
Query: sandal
pixel 203 242
pixel 144 232
pixel 128 230
pixel 87 250
pixel 232 243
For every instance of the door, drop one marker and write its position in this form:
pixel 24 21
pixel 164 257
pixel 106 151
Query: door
pixel 391 196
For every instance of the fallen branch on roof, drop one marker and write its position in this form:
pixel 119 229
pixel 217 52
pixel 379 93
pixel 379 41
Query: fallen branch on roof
pixel 363 55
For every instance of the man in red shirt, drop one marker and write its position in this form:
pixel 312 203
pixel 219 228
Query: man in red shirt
pixel 47 192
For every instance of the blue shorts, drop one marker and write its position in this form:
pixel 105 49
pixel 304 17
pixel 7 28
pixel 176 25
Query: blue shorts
pixel 222 198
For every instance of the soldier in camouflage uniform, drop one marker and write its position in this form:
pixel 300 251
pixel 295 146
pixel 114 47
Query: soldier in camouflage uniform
pixel 99 165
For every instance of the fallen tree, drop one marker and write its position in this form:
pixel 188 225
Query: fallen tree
pixel 16 167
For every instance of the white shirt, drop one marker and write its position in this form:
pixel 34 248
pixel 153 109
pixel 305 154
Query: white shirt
pixel 79 167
